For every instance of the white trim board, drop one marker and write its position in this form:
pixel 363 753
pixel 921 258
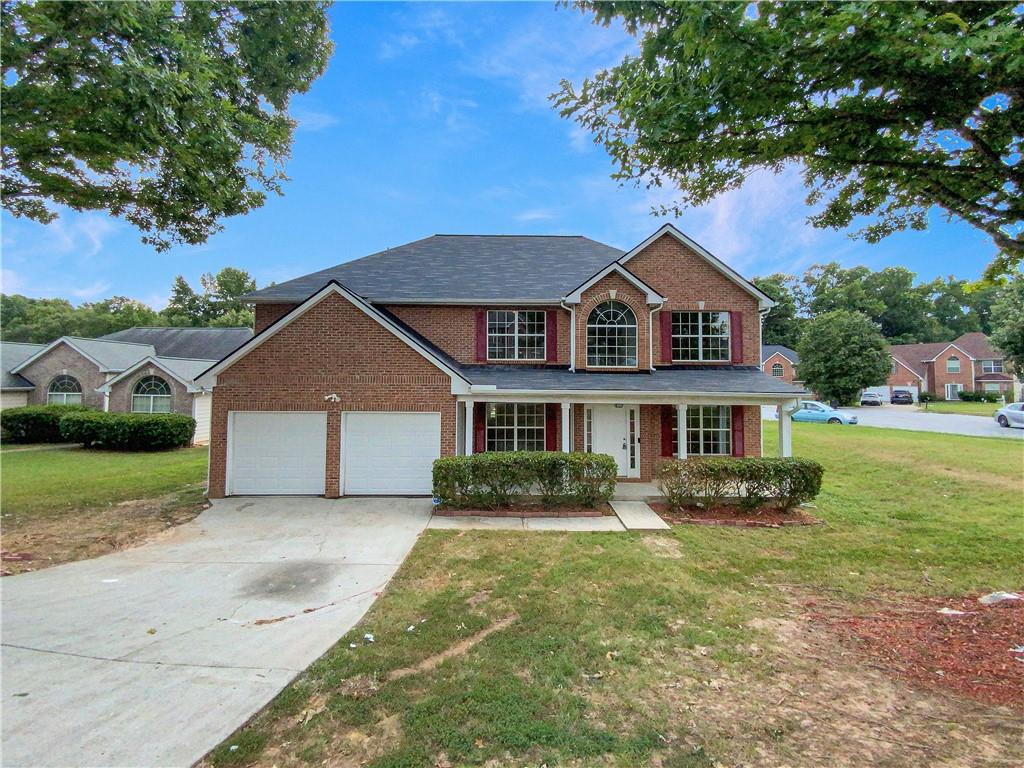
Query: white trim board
pixel 650 295
pixel 208 378
pixel 189 386
pixel 764 300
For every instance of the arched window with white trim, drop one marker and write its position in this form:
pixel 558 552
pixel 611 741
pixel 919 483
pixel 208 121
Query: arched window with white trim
pixel 64 390
pixel 611 336
pixel 777 370
pixel 151 394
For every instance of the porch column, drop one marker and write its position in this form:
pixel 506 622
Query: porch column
pixel 469 427
pixel 566 429
pixel 785 429
pixel 681 430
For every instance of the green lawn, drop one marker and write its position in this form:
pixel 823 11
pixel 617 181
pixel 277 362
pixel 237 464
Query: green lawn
pixel 682 649
pixel 54 482
pixel 969 409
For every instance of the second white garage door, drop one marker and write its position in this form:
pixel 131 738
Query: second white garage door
pixel 389 453
pixel 277 453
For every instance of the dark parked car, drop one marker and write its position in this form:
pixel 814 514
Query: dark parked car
pixel 901 397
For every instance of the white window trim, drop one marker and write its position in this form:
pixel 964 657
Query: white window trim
pixel 61 398
pixel 516 427
pixel 781 370
pixel 700 431
pixel 700 336
pixel 990 366
pixel 636 340
pixel 515 336
pixel 949 360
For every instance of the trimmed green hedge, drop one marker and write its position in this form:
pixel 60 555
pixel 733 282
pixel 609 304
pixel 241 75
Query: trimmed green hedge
pixel 491 480
pixel 128 431
pixel 782 482
pixel 36 423
pixel 979 397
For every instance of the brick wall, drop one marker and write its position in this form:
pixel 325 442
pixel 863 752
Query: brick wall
pixel 334 348
pixel 121 392
pixel 903 377
pixel 62 359
pixel 788 372
pixel 684 278
pixel 628 294
pixel 939 377
pixel 453 329
pixel 268 314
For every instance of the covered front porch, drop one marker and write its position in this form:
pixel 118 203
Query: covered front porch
pixel 638 431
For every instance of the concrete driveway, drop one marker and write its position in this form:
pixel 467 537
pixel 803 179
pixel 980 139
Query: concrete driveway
pixel 152 656
pixel 908 417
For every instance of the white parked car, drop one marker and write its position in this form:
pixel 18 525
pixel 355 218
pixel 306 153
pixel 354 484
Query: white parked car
pixel 1011 415
pixel 871 398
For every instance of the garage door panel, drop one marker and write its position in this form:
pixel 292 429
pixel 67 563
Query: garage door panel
pixel 389 453
pixel 278 453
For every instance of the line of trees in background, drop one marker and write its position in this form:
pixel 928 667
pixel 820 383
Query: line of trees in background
pixel 216 303
pixel 904 312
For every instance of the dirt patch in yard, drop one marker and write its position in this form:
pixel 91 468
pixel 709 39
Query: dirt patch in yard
pixel 810 699
pixel 731 514
pixel 38 542
pixel 969 649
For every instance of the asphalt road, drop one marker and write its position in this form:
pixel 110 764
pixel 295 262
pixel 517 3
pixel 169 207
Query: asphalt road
pixel 908 417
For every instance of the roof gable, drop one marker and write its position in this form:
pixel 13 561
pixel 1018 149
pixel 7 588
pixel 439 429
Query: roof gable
pixel 651 296
pixel 187 343
pixel 764 300
pixel 182 370
pixel 209 376
pixel 770 350
pixel 107 356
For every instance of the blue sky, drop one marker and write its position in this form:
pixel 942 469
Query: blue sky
pixel 433 118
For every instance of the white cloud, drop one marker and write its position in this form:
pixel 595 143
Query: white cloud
pixel 11 282
pixel 423 25
pixel 453 111
pixel 580 139
pixel 313 120
pixel 537 214
pixel 91 291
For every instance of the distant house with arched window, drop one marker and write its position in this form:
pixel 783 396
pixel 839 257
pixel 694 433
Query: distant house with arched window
pixel 780 362
pixel 141 370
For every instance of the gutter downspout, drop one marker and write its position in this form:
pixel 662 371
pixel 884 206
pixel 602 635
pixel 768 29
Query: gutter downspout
pixel 572 334
pixel 650 336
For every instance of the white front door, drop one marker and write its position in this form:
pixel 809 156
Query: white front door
pixel 953 391
pixel 614 430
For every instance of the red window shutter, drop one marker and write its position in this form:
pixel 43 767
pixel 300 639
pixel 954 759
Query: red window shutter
pixel 552 413
pixel 551 335
pixel 479 427
pixel 481 335
pixel 736 330
pixel 737 430
pixel 669 442
pixel 666 336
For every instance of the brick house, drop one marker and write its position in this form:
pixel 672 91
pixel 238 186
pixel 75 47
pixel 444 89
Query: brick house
pixel 144 369
pixel 780 362
pixel 360 375
pixel 969 363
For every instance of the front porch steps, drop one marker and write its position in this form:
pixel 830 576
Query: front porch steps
pixel 638 516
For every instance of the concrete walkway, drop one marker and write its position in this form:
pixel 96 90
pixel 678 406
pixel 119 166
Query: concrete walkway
pixel 154 655
pixel 638 516
pixel 481 523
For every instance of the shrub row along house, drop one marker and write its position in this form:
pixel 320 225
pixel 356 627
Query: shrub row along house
pixel 142 370
pixel 361 375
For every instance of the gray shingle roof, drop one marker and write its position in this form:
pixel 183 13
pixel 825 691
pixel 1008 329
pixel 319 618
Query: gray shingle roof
pixel 723 379
pixel 193 343
pixel 13 354
pixel 112 355
pixel 767 350
pixel 537 268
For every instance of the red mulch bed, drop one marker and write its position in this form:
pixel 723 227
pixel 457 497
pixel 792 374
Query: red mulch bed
pixel 528 510
pixel 731 514
pixel 970 654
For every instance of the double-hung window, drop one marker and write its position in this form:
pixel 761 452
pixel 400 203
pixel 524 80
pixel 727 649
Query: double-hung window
pixel 515 335
pixel 953 364
pixel 700 336
pixel 991 366
pixel 708 430
pixel 515 427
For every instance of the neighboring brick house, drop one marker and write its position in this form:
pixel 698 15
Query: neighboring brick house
pixel 360 375
pixel 780 362
pixel 145 369
pixel 946 368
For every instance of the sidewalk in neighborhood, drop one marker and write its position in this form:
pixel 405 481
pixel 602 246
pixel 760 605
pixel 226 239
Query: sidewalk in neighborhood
pixel 629 516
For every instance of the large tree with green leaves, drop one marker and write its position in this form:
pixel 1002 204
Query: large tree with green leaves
pixel 841 353
pixel 172 115
pixel 782 325
pixel 1008 322
pixel 890 108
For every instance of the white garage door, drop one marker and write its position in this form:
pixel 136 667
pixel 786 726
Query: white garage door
pixel 389 453
pixel 277 453
pixel 883 391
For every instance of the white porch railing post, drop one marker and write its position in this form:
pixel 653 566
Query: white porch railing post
pixel 566 428
pixel 681 430
pixel 469 428
pixel 785 430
